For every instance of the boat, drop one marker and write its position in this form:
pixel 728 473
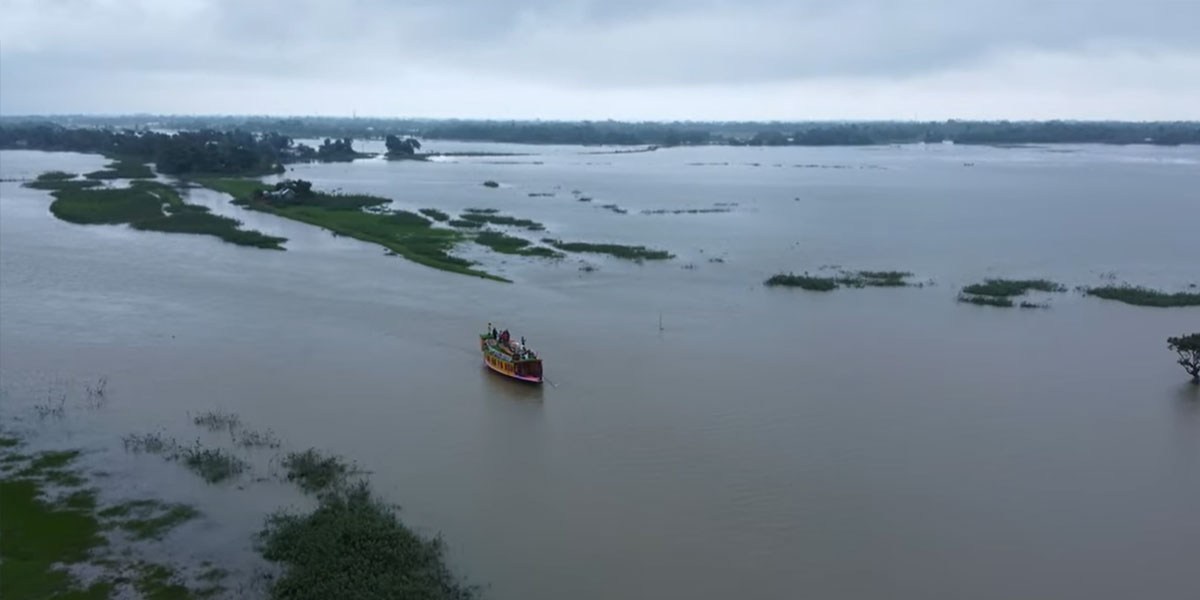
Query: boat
pixel 506 357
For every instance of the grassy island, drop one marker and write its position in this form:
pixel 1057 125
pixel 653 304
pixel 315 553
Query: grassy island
pixel 617 250
pixel 1140 296
pixel 406 233
pixel 151 206
pixel 855 279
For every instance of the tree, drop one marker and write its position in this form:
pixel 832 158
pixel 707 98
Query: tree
pixel 1188 347
pixel 397 146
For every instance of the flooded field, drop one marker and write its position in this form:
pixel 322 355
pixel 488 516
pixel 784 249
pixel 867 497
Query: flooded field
pixel 762 442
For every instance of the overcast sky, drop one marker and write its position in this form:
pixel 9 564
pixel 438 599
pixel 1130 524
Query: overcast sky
pixel 621 59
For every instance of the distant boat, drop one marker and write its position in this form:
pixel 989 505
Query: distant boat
pixel 506 357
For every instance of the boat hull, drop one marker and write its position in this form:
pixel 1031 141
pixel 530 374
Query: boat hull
pixel 527 371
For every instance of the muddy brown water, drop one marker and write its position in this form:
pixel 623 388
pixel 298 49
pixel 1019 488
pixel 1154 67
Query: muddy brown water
pixel 766 443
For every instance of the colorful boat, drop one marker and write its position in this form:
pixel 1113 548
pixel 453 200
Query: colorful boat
pixel 510 359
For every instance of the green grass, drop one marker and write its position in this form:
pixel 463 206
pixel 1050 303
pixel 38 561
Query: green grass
pixel 1140 296
pixel 508 244
pixel 407 234
pixel 805 281
pixel 155 526
pixel 1002 301
pixel 123 169
pixel 39 537
pixel 213 464
pixel 617 250
pixel 7 442
pixel 1012 287
pixel 55 176
pixel 215 420
pixel 497 219
pixel 876 279
pixel 354 546
pixel 152 206
pixel 435 214
pixel 72 184
pixel 159 582
pixel 315 471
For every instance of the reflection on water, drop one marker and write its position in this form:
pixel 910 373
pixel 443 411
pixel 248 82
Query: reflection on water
pixel 769 443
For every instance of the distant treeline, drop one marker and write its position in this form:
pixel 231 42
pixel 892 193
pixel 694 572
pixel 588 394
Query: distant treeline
pixel 205 151
pixel 670 133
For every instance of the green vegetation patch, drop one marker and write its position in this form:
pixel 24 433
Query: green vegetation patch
pixel 55 176
pixel 315 471
pixel 805 281
pixel 498 219
pixel 508 244
pixel 1002 301
pixel 38 537
pixel 354 546
pixel 435 214
pixel 215 420
pixel 159 582
pixel 123 169
pixel 213 464
pixel 155 520
pixel 7 442
pixel 876 279
pixel 408 234
pixel 152 206
pixel 617 250
pixel 1012 287
pixel 1140 296
pixel 461 224
pixel 70 184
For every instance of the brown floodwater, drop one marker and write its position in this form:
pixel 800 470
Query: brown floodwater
pixel 764 443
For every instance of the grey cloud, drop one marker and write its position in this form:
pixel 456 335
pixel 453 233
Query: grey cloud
pixel 575 44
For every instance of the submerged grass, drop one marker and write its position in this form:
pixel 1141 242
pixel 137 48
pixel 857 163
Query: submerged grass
pixel 123 169
pixel 805 281
pixel 215 420
pixel 148 519
pixel 508 244
pixel 1140 296
pixel 153 206
pixel 498 219
pixel 617 250
pixel 1012 287
pixel 1002 301
pixel 407 234
pixel 435 214
pixel 38 537
pixel 462 224
pixel 354 546
pixel 315 471
pixel 213 464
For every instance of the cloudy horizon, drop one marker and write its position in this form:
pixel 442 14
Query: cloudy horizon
pixel 627 60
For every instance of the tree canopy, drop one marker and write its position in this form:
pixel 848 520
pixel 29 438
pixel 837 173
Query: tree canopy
pixel 1188 348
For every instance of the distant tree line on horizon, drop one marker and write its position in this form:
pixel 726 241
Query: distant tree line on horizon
pixel 200 152
pixel 677 133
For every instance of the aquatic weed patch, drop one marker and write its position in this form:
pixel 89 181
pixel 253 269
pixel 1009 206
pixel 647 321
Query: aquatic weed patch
pixel 1012 287
pixel 804 281
pixel 315 471
pixel 617 250
pixel 151 206
pixel 507 244
pixel 123 169
pixel 215 420
pixel 213 464
pixel 1141 296
pixel 354 546
pixel 1001 301
pixel 498 219
pixel 435 214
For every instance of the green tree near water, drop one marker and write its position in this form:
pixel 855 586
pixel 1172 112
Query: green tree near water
pixel 401 147
pixel 1188 348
